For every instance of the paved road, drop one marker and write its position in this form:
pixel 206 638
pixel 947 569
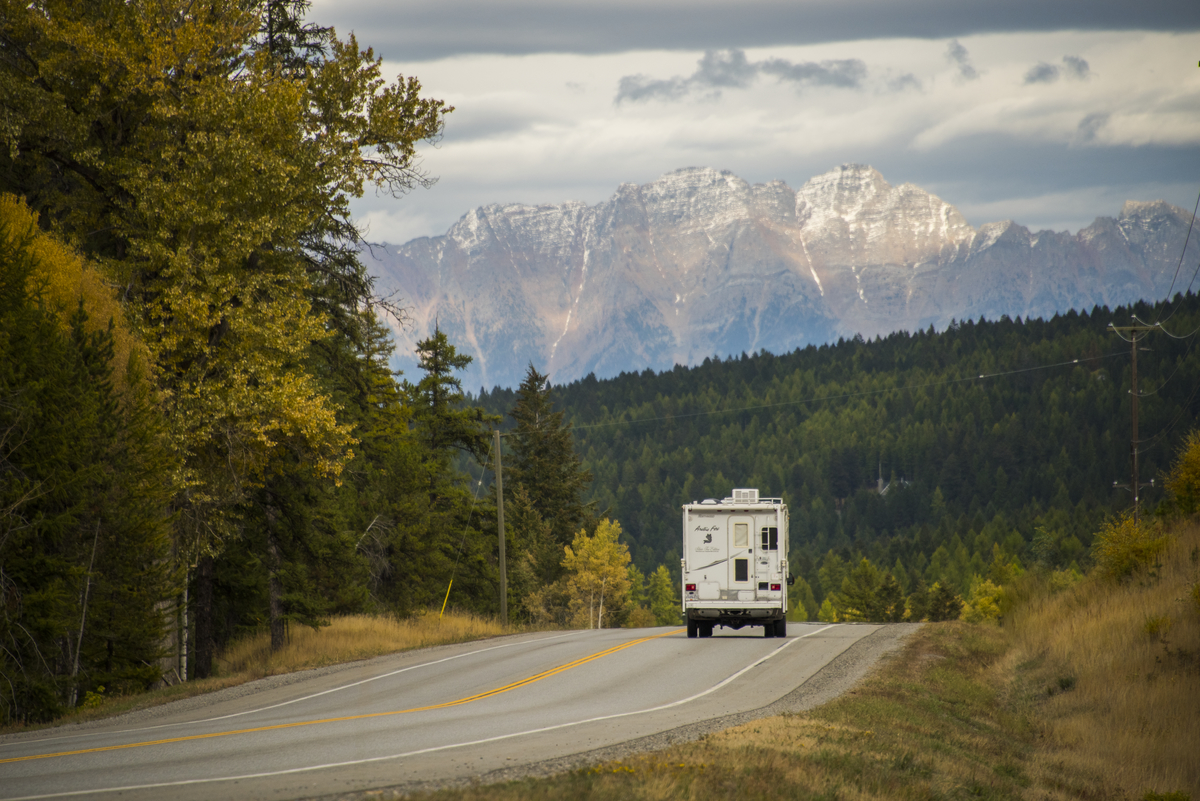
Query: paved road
pixel 433 715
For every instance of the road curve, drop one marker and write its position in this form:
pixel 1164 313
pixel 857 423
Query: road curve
pixel 427 716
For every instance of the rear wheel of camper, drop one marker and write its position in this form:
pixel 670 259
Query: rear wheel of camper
pixel 693 629
pixel 769 629
pixel 706 629
pixel 781 627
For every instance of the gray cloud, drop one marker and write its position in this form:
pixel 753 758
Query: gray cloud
pixel 725 69
pixel 1090 125
pixel 906 81
pixel 1076 67
pixel 1042 72
pixel 729 69
pixel 642 87
pixel 1073 67
pixel 421 30
pixel 958 55
pixel 846 72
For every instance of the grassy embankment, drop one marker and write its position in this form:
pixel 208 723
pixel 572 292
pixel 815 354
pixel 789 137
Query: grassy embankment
pixel 345 639
pixel 1090 691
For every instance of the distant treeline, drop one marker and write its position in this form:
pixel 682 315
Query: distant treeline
pixel 1005 433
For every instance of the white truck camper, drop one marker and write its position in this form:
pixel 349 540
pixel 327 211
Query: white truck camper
pixel 735 570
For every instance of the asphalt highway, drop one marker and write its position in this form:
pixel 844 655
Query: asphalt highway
pixel 431 715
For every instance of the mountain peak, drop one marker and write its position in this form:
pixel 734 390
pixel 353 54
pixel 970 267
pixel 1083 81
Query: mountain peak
pixel 700 262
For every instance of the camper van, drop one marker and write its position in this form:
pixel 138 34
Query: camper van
pixel 735 570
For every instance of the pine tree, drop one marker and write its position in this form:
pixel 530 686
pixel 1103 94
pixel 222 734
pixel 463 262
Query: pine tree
pixel 944 603
pixel 544 462
pixel 858 599
pixel 85 477
pixel 664 598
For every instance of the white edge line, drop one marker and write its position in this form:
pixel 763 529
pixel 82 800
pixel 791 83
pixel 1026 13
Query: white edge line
pixel 431 750
pixel 82 735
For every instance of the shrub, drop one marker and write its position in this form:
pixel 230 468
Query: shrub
pixel 1122 546
pixel 641 618
pixel 1065 579
pixel 984 603
pixel 944 603
pixel 1183 480
pixel 828 613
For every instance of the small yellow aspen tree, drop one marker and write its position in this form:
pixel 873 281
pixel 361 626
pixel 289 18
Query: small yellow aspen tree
pixel 597 575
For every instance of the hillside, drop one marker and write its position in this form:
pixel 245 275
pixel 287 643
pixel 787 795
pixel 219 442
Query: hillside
pixel 700 262
pixel 1023 461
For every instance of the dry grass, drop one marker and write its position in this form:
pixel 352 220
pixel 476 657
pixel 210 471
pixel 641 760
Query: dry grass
pixel 1129 657
pixel 353 637
pixel 345 639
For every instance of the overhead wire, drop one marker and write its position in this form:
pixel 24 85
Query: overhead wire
pixel 1182 254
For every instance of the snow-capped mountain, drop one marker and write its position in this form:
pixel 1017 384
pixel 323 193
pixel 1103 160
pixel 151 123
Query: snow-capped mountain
pixel 701 262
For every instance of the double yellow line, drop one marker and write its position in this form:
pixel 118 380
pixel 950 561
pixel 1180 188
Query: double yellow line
pixel 458 702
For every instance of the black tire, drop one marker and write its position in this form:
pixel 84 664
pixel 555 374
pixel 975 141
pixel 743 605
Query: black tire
pixel 781 627
pixel 769 629
pixel 706 629
pixel 693 629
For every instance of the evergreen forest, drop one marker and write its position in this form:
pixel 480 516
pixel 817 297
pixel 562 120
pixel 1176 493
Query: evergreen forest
pixel 930 454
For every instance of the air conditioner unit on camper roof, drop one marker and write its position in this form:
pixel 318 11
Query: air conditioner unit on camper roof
pixel 745 496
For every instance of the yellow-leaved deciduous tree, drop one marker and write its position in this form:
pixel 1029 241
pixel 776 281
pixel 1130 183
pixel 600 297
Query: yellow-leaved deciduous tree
pixel 1183 480
pixel 597 575
pixel 64 281
pixel 1121 546
pixel 210 178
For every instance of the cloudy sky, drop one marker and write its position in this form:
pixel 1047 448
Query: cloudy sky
pixel 1048 113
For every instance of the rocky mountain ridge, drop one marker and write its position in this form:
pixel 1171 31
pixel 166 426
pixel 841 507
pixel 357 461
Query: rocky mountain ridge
pixel 700 262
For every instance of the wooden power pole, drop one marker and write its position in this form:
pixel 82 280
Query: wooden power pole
pixel 500 529
pixel 1136 333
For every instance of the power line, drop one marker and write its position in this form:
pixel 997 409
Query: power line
pixel 1183 253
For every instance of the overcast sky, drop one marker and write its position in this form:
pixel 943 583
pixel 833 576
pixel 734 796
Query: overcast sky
pixel 1047 113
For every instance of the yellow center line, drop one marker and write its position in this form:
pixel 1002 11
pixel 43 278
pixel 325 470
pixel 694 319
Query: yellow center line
pixel 458 702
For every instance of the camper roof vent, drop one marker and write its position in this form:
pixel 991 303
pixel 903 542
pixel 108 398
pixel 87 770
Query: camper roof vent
pixel 745 496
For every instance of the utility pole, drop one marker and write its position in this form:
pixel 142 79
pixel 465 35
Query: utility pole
pixel 500 528
pixel 1138 328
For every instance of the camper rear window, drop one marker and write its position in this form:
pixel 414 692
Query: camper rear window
pixel 741 569
pixel 741 535
pixel 770 539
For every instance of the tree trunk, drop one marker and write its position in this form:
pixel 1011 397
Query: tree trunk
pixel 274 585
pixel 204 644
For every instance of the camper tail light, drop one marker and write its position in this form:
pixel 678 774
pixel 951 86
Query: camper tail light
pixel 690 587
pixel 776 587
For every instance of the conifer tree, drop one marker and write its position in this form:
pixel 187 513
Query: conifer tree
pixel 664 598
pixel 544 462
pixel 858 599
pixel 85 478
